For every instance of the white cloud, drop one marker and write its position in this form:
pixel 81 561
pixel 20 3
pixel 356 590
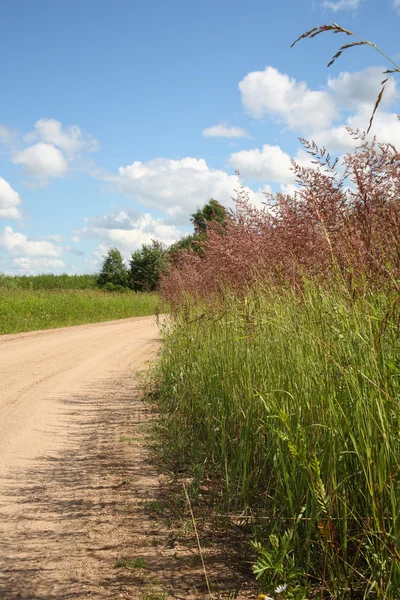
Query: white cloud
pixel 50 151
pixel 42 161
pixel 9 201
pixel 386 128
pixel 396 4
pixel 71 139
pixel 176 187
pixel 20 246
pixel 270 163
pixel 75 239
pixel 336 5
pixel 225 131
pixel 336 140
pixel 129 229
pixel 34 266
pixel 278 96
pixel 289 189
pixel 353 90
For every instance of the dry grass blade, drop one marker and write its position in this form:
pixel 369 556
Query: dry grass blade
pixel 377 103
pixel 335 28
pixel 343 48
pixel 198 540
pixel 312 33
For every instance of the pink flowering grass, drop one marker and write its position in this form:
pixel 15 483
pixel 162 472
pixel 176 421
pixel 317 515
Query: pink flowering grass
pixel 344 222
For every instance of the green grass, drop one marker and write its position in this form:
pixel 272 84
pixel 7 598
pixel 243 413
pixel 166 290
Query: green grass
pixel 292 403
pixel 29 309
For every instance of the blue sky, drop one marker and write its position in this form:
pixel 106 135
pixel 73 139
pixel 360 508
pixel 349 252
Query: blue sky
pixel 118 119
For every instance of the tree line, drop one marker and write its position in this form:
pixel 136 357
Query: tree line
pixel 147 264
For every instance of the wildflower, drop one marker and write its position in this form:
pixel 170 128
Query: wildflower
pixel 281 588
pixel 264 597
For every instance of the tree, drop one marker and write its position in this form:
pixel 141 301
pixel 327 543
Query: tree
pixel 211 211
pixel 146 265
pixel 192 241
pixel 113 274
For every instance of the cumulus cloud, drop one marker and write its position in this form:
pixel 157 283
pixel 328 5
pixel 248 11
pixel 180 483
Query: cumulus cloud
pixel 129 229
pixel 51 150
pixel 353 90
pixel 276 95
pixel 18 245
pixel 42 161
pixel 289 189
pixel 386 128
pixel 70 139
pixel 9 201
pixel 336 5
pixel 176 187
pixel 225 131
pixel 270 163
pixel 33 266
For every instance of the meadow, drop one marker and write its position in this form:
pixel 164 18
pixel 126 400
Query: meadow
pixel 279 381
pixel 48 301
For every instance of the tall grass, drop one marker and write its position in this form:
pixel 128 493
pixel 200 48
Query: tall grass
pixel 282 374
pixel 293 402
pixel 30 309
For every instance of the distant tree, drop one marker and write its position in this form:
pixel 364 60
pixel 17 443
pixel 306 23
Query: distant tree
pixel 211 211
pixel 113 274
pixel 192 241
pixel 146 265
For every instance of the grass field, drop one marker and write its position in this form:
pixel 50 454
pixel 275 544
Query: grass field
pixel 31 309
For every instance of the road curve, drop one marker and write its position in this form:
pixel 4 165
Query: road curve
pixel 42 374
pixel 37 368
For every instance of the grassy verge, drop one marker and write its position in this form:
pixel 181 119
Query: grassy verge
pixel 289 404
pixel 29 310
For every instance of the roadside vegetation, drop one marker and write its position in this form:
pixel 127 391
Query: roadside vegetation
pixel 279 381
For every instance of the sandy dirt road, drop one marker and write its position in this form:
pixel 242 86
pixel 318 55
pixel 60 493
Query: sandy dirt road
pixel 66 397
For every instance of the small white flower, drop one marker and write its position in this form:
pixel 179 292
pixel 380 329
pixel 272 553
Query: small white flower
pixel 281 588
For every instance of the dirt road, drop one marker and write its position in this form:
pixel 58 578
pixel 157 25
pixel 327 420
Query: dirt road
pixel 66 395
